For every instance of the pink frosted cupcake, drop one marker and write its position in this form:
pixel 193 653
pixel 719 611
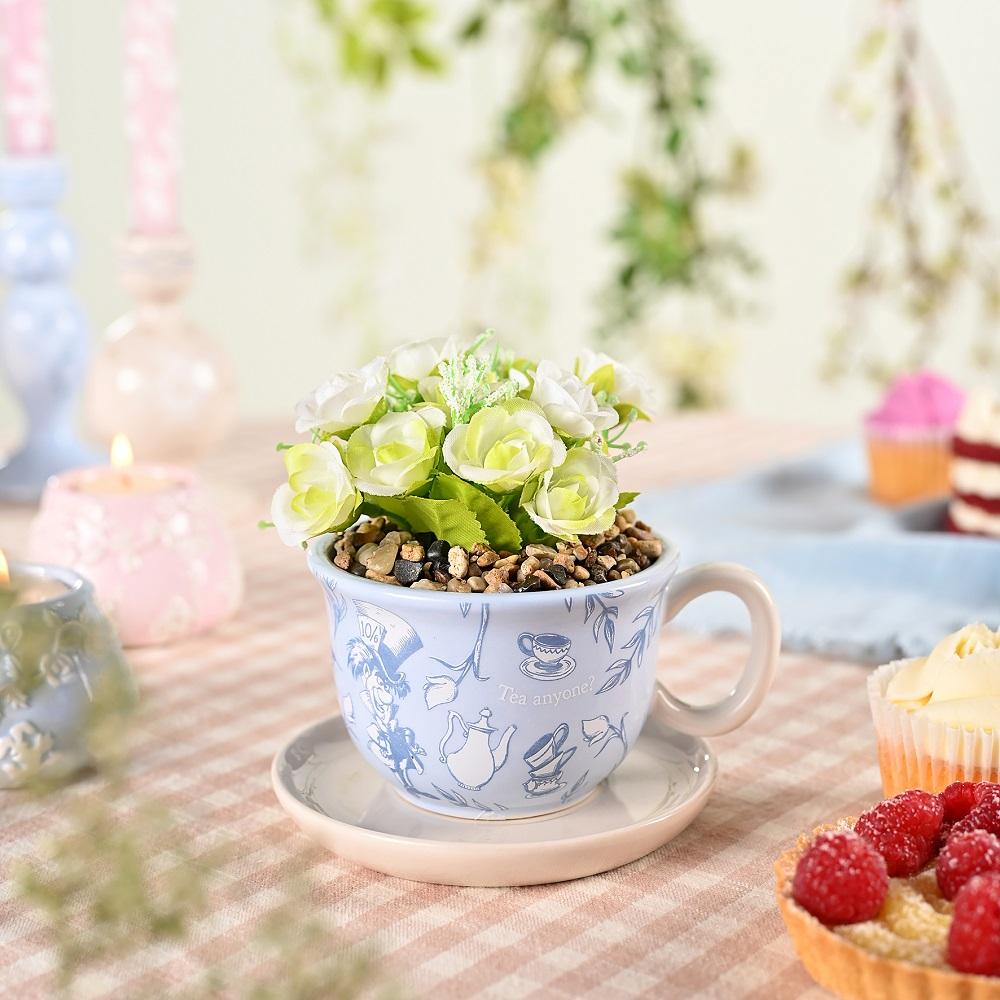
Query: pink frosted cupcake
pixel 909 438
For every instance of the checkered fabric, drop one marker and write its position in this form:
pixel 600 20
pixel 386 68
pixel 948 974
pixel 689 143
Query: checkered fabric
pixel 694 919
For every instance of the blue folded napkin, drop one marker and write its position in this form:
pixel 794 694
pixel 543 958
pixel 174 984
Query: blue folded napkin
pixel 852 579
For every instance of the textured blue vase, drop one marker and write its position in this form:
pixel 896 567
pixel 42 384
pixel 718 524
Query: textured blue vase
pixel 43 333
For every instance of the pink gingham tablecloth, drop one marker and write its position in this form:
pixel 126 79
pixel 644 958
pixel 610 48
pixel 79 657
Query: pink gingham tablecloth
pixel 694 919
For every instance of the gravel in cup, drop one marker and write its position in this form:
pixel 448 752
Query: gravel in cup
pixel 379 550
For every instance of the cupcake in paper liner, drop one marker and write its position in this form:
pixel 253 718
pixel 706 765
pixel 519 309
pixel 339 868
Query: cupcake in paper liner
pixel 937 717
pixel 909 438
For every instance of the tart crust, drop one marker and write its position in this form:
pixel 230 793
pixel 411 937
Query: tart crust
pixel 851 972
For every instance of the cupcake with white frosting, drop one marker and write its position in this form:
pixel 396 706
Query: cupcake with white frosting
pixel 975 467
pixel 936 717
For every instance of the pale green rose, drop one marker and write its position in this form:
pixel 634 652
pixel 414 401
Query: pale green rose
pixel 417 359
pixel 504 446
pixel 624 387
pixel 319 496
pixel 344 401
pixel 577 498
pixel 396 454
pixel 569 402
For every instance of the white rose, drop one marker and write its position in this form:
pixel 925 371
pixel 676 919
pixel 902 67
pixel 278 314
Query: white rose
pixel 417 359
pixel 623 385
pixel 576 498
pixel 319 496
pixel 569 402
pixel 503 446
pixel 397 453
pixel 344 401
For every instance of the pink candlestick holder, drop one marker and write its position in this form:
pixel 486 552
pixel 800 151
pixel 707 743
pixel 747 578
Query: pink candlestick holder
pixel 157 551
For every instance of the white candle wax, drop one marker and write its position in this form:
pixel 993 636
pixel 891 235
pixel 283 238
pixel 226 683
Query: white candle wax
pixel 124 482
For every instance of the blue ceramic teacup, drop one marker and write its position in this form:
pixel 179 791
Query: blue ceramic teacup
pixel 500 706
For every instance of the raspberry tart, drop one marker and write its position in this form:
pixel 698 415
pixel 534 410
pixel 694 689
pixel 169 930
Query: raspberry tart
pixel 902 902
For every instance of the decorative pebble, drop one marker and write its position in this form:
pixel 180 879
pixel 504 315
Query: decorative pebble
pixel 383 558
pixel 406 571
pixel 412 552
pixel 366 552
pixel 438 551
pixel 458 562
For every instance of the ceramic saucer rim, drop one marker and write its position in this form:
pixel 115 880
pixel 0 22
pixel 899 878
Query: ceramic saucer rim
pixel 570 666
pixel 590 844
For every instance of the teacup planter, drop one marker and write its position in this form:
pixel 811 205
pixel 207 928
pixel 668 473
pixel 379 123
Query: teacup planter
pixel 439 694
pixel 495 605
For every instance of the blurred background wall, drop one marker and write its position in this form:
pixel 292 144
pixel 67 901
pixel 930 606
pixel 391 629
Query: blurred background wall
pixel 254 182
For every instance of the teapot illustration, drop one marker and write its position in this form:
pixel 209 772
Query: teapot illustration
pixel 475 762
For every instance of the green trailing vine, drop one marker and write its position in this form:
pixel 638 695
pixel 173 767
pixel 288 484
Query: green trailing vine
pixel 573 51
pixel 928 239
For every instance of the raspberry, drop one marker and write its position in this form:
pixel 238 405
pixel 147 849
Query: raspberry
pixel 958 800
pixel 841 879
pixel 922 812
pixel 985 816
pixel 974 938
pixel 964 856
pixel 903 830
pixel 986 788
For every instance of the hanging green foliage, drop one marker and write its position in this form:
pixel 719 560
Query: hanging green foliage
pixel 570 54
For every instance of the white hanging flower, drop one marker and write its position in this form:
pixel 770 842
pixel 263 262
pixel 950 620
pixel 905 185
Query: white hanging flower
pixel 396 454
pixel 345 401
pixel 569 402
pixel 576 498
pixel 504 446
pixel 625 386
pixel 319 496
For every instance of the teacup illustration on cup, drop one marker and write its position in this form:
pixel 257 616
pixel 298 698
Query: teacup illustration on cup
pixel 547 654
pixel 546 759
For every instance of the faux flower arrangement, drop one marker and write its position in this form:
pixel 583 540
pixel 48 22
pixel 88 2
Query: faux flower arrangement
pixel 465 442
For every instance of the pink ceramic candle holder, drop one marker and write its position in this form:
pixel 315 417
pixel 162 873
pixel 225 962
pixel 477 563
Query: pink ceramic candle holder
pixel 158 552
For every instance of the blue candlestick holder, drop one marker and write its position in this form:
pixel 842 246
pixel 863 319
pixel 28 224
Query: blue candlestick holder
pixel 44 339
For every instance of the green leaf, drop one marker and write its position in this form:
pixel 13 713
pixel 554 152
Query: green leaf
pixel 474 27
pixel 624 499
pixel 264 525
pixel 530 532
pixel 425 59
pixel 450 520
pixel 501 531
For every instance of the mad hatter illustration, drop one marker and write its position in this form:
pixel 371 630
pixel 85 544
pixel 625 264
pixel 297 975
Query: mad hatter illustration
pixel 376 656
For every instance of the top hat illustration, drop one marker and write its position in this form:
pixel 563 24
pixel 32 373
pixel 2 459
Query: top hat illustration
pixel 389 638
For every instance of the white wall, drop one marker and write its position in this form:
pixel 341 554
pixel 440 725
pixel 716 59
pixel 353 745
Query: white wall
pixel 247 147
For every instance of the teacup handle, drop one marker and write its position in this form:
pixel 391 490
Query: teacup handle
pixel 524 642
pixel 765 643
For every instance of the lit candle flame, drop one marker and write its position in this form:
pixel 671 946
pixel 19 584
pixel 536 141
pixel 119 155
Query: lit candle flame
pixel 121 452
pixel 4 570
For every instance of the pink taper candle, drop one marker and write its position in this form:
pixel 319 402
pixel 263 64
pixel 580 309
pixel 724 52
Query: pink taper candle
pixel 151 116
pixel 27 93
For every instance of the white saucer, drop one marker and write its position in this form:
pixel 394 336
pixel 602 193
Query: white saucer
pixel 338 801
pixel 533 667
